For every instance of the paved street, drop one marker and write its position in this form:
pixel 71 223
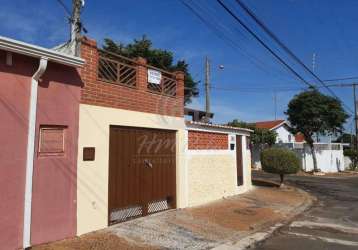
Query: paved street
pixel 332 223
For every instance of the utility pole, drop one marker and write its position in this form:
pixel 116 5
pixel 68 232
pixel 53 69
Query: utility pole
pixel 275 102
pixel 355 116
pixel 355 102
pixel 207 89
pixel 76 25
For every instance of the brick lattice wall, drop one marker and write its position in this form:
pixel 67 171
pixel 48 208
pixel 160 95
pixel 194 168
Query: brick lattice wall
pixel 96 92
pixel 207 140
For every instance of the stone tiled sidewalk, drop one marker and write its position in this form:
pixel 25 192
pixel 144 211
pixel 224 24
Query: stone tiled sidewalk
pixel 220 224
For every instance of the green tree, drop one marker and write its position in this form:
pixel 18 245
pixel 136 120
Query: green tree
pixel 260 137
pixel 279 161
pixel 312 112
pixel 353 156
pixel 346 138
pixel 160 58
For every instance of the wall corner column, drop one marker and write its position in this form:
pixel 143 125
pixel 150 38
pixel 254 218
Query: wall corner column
pixel 142 73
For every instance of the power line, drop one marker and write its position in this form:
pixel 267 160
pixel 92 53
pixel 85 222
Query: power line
pixel 67 10
pixel 284 47
pixel 265 45
pixel 216 27
pixel 341 79
pixel 221 35
pixel 276 88
pixel 70 17
pixel 257 90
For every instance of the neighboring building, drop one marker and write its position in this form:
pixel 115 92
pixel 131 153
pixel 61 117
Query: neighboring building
pixel 299 137
pixel 39 107
pixel 197 115
pixel 281 127
pixel 329 155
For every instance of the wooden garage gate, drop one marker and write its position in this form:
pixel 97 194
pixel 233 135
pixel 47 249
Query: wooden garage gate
pixel 142 172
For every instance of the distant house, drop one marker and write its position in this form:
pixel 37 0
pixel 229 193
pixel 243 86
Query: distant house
pixel 281 127
pixel 329 155
pixel 299 137
pixel 197 115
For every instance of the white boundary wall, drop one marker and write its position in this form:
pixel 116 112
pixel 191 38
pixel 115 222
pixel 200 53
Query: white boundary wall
pixel 212 174
pixel 330 158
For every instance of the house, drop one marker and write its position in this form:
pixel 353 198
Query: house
pixel 281 127
pixel 137 155
pixel 39 107
pixel 89 142
pixel 329 155
pixel 197 115
pixel 299 137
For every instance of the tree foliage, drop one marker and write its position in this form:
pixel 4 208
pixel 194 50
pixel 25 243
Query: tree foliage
pixel 279 161
pixel 160 58
pixel 346 138
pixel 312 112
pixel 353 156
pixel 260 136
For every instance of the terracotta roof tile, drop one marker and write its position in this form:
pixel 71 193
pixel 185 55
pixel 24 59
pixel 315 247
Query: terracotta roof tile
pixel 268 124
pixel 299 137
pixel 209 125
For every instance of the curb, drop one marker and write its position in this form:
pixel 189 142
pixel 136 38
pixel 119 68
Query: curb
pixel 256 238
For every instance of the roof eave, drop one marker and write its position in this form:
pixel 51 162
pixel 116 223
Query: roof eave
pixel 278 125
pixel 19 47
pixel 202 124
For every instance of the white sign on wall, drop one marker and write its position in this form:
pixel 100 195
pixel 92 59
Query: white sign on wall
pixel 154 76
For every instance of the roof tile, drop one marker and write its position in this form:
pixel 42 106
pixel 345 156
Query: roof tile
pixel 268 124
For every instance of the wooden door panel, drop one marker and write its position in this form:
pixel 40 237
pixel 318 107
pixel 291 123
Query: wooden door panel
pixel 239 162
pixel 141 172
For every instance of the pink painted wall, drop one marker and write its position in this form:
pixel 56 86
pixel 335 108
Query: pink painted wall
pixel 54 180
pixel 14 99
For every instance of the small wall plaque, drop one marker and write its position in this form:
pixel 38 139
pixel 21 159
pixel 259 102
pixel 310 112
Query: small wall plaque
pixel 89 153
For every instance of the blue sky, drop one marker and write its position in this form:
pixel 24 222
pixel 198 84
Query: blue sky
pixel 327 28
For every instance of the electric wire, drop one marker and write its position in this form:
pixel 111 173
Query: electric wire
pixel 217 28
pixel 265 45
pixel 341 79
pixel 286 49
pixel 67 10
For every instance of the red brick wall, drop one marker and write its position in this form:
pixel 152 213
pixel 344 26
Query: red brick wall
pixel 207 140
pixel 96 92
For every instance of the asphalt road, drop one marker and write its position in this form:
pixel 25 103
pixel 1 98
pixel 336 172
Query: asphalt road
pixel 332 222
